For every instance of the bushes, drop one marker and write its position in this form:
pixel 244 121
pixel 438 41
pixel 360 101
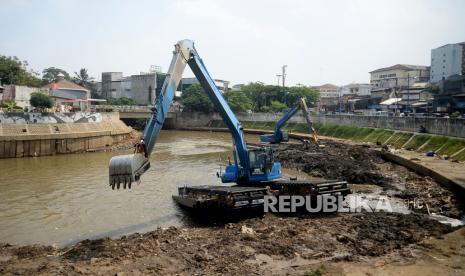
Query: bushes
pixel 41 101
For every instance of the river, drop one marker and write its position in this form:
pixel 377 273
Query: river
pixel 62 199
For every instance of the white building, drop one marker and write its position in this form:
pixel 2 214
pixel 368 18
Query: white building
pixel 328 90
pixel 356 89
pixel 446 61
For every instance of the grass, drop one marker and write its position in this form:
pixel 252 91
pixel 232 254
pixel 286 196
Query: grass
pixel 373 136
pixel 417 141
pixel 452 146
pixel 442 144
pixel 435 143
pixel 460 156
pixel 318 271
pixel 403 138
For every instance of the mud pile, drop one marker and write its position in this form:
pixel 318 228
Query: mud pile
pixel 360 164
pixel 355 164
pixel 232 248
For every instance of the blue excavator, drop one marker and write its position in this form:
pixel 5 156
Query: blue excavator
pixel 279 135
pixel 254 170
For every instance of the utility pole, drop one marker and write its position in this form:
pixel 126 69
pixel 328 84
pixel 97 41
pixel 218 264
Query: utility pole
pixel 284 75
pixel 279 77
pixel 408 92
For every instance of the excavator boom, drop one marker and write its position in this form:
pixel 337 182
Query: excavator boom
pixel 250 166
pixel 279 136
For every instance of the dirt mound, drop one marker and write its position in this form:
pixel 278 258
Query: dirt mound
pixel 233 248
pixel 360 164
pixel 354 164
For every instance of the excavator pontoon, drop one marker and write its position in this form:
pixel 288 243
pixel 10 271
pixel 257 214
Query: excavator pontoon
pixel 254 171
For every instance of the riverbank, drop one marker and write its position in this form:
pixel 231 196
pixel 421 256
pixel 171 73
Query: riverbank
pixel 37 134
pixel 337 244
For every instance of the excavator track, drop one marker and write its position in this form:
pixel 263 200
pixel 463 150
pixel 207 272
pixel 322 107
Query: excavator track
pixel 224 198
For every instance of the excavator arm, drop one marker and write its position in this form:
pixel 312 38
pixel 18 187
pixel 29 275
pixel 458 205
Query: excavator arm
pixel 279 136
pixel 259 166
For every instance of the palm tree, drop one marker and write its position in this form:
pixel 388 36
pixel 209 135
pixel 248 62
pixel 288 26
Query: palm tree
pixel 82 78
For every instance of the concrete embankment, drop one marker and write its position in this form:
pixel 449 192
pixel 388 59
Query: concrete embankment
pixel 409 147
pixel 36 134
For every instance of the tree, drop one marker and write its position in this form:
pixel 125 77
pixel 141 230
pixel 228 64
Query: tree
pixel 277 106
pixel 296 92
pixel 40 100
pixel 82 78
pixel 14 71
pixel 194 98
pixel 238 101
pixel 50 74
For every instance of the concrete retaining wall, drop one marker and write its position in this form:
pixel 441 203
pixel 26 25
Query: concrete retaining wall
pixel 38 139
pixel 440 126
pixel 56 118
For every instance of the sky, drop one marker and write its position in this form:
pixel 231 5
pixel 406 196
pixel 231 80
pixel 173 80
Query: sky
pixel 321 42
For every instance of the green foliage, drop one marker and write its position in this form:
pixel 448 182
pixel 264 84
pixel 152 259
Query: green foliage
pixel 417 141
pixel 238 101
pixel 310 94
pixel 277 106
pixel 195 99
pixel 262 95
pixel 455 114
pixel 121 101
pixel 10 105
pixel 40 100
pixel 82 78
pixel 265 98
pixel 318 271
pixel 14 71
pixel 50 74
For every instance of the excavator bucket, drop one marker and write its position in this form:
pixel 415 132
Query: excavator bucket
pixel 125 169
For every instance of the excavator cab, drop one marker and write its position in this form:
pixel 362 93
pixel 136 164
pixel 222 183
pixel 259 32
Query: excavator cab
pixel 261 160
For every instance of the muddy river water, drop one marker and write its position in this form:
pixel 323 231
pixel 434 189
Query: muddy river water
pixel 65 198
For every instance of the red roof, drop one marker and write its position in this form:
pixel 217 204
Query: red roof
pixel 64 84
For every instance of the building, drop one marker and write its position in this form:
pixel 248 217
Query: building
pixel 20 94
pixel 399 75
pixel 446 61
pixel 358 89
pixel 222 85
pixel 415 98
pixel 451 96
pixel 328 90
pixel 64 91
pixel 141 88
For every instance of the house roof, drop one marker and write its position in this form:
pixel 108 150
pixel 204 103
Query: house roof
pixel 327 86
pixel 64 84
pixel 401 67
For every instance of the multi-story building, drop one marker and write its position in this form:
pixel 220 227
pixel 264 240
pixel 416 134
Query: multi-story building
pixel 446 61
pixel 451 96
pixel 356 89
pixel 399 75
pixel 328 90
pixel 141 88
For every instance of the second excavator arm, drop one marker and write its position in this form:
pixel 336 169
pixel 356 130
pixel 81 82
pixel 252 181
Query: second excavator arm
pixel 279 136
